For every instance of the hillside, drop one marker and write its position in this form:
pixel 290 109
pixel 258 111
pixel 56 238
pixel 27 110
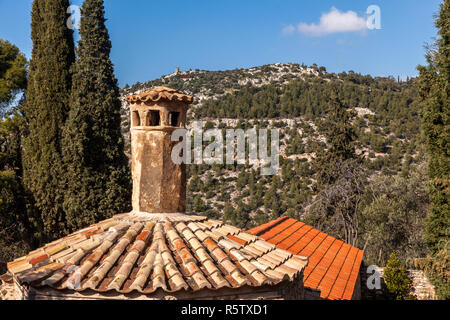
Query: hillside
pixel 293 98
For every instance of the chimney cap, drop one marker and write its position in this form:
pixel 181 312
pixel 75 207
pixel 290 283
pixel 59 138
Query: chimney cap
pixel 160 94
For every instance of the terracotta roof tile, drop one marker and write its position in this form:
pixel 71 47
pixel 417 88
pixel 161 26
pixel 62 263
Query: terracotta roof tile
pixel 159 94
pixel 237 239
pixel 239 255
pixel 264 227
pixel 287 243
pixel 146 253
pixel 348 293
pixel 338 289
pixel 333 266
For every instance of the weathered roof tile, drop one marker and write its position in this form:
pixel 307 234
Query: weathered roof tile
pixel 145 253
pixel 159 94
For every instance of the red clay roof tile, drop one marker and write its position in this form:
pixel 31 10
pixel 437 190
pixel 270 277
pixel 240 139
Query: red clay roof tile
pixel 264 227
pixel 333 266
pixel 159 93
pixel 295 237
pixel 238 240
pixel 145 253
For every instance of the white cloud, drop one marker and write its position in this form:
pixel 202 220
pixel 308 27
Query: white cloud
pixel 334 21
pixel 288 30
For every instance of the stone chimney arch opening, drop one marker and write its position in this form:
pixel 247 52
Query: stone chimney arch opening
pixel 174 119
pixel 135 119
pixel 153 118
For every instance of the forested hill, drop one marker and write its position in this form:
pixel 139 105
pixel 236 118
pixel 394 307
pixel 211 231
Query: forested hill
pixel 387 111
pixel 384 114
pixel 291 90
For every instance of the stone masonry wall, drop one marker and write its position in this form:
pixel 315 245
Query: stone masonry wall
pixel 422 288
pixel 7 289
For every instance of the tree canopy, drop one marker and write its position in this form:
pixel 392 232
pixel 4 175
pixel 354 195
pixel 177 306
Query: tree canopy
pixel 434 89
pixel 98 174
pixel 13 73
pixel 46 109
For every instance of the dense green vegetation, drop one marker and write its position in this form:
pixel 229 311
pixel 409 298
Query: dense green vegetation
pixel 308 98
pixel 97 170
pixel 14 231
pixel 13 73
pixel 396 278
pixel 62 155
pixel 331 153
pixel 392 216
pixel 46 109
pixel 339 176
pixel 340 136
pixel 434 84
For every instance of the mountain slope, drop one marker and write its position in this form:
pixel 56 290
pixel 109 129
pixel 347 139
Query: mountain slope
pixel 292 98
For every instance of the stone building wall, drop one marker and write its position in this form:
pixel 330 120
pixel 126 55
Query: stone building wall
pixel 7 288
pixel 423 289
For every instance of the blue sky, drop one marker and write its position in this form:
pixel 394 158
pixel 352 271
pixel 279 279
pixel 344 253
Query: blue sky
pixel 150 38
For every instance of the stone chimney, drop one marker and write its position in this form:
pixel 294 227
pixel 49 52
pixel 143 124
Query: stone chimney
pixel 159 185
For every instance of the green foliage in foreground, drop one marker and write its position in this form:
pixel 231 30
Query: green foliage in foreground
pixel 434 82
pixel 340 136
pixel 13 73
pixel 396 278
pixel 392 217
pixel 98 174
pixel 15 234
pixel 46 109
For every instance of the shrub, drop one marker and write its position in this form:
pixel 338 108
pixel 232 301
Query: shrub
pixel 396 278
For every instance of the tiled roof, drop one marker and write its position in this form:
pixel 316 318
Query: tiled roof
pixel 149 252
pixel 333 266
pixel 159 94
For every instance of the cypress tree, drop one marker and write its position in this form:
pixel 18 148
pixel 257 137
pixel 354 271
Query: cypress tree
pixel 97 167
pixel 341 138
pixel 46 109
pixel 435 91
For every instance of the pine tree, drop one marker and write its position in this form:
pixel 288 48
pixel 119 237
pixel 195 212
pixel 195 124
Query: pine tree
pixel 228 212
pixel 340 136
pixel 241 216
pixel 98 172
pixel 46 110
